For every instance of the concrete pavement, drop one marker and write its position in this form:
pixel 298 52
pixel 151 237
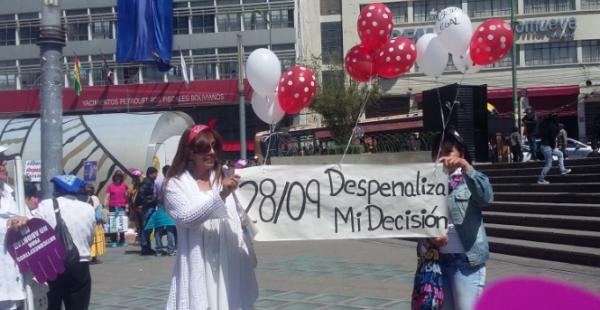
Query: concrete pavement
pixel 349 274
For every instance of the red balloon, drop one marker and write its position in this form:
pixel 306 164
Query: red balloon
pixel 296 89
pixel 491 41
pixel 359 63
pixel 395 58
pixel 374 25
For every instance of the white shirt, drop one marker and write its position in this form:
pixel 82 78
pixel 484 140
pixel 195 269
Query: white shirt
pixel 79 217
pixel 213 269
pixel 11 280
pixel 454 245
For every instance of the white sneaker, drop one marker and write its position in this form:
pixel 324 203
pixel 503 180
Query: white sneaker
pixel 566 171
pixel 543 182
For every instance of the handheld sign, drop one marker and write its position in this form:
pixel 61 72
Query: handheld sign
pixel 35 248
pixel 310 202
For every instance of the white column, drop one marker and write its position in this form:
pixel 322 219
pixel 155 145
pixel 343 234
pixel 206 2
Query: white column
pixel 90 72
pixel 89 25
pixel 410 11
pixel 140 75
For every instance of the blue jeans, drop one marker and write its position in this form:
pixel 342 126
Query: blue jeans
pixel 159 232
pixel 463 283
pixel 548 152
pixel 532 147
pixel 145 234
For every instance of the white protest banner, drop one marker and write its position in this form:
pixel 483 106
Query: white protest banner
pixel 33 170
pixel 310 202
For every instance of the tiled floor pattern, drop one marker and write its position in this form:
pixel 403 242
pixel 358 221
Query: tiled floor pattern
pixel 153 296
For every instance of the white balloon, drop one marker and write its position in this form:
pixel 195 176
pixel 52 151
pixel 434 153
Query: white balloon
pixel 453 27
pixel 263 70
pixel 267 108
pixel 432 55
pixel 464 64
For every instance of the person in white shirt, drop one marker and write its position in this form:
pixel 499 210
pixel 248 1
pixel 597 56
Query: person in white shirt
pixel 74 286
pixel 214 268
pixel 12 291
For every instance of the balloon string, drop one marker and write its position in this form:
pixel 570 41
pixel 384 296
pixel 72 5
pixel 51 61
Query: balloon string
pixel 362 110
pixel 270 137
pixel 451 108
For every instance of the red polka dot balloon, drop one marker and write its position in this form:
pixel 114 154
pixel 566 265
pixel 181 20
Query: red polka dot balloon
pixel 395 58
pixel 491 41
pixel 374 25
pixel 296 89
pixel 359 63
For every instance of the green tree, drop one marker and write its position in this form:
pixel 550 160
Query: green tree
pixel 339 100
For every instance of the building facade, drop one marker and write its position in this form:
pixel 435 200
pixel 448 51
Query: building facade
pixel 558 49
pixel 204 33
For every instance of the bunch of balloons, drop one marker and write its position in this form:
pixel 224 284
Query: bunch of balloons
pixel 377 54
pixel 470 51
pixel 275 95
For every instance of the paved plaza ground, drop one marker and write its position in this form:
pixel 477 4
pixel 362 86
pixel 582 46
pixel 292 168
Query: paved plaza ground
pixel 349 274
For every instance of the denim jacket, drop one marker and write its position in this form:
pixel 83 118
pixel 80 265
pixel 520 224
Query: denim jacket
pixel 465 206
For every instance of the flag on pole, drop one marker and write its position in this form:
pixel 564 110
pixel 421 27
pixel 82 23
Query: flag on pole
pixel 76 75
pixel 184 71
pixel 107 71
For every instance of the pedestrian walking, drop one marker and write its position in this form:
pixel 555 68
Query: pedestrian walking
pixel 531 123
pixel 464 250
pixel 71 289
pixel 146 205
pixel 99 245
pixel 515 145
pixel 161 221
pixel 549 131
pixel 214 267
pixel 562 139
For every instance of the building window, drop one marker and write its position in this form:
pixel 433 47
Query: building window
pixel 202 3
pixel 228 2
pixel 590 4
pixel 485 8
pixel 550 53
pixel 180 25
pixel 228 65
pixel 203 23
pixel 204 66
pixel 505 62
pixel 7 36
pixel 282 19
pixel 229 22
pixel 399 12
pixel 591 50
pixel 128 75
pixel 150 74
pixel 28 35
pixel 543 6
pixel 423 9
pixel 8 81
pixel 254 21
pixel 30 78
pixel 286 54
pixel 102 29
pixel 331 7
pixel 77 32
pixel 331 42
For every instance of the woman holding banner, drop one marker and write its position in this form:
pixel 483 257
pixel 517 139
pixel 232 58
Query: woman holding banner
pixel 214 268
pixel 464 249
pixel 12 290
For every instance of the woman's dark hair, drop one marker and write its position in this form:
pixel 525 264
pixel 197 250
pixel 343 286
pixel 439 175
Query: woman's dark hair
pixel 31 190
pixel 452 137
pixel 199 144
pixel 118 174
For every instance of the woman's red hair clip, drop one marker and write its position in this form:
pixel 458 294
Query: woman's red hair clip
pixel 195 131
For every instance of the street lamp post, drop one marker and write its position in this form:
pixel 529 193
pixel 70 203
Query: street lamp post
pixel 516 107
pixel 243 152
pixel 51 41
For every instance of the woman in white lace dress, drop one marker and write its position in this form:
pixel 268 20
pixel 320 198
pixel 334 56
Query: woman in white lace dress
pixel 214 269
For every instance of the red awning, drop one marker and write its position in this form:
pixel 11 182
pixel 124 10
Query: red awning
pixel 234 146
pixel 130 97
pixel 558 99
pixel 552 91
pixel 501 93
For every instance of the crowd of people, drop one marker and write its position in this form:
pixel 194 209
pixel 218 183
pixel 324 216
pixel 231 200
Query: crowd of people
pixel 193 204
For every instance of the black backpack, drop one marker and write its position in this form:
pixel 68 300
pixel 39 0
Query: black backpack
pixel 71 257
